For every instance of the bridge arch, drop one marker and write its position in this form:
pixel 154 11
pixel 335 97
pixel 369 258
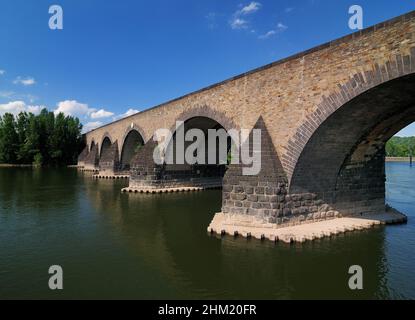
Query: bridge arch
pixel 206 112
pixel 338 153
pixel 396 67
pixel 105 144
pixel 132 140
pixel 204 119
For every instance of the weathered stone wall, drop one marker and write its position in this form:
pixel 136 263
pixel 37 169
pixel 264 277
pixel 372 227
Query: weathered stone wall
pixel 361 185
pixel 146 174
pixel 264 198
pixel 315 106
pixel 109 160
pixel 92 159
pixel 82 156
pixel 293 95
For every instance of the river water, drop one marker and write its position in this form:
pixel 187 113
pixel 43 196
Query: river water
pixel 113 245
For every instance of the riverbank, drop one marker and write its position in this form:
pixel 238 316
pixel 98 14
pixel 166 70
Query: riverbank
pixel 8 165
pixel 397 159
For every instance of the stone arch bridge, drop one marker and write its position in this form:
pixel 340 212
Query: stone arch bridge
pixel 325 116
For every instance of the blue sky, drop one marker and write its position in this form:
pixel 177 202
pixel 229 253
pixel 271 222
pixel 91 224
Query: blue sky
pixel 117 56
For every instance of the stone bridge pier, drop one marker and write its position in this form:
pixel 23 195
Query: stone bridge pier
pixel 325 116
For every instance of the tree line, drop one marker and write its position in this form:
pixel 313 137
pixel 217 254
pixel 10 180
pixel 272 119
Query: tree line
pixel 43 139
pixel 400 147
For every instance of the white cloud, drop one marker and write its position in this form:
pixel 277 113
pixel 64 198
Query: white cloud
pixel 95 124
pixel 91 126
pixel 28 81
pixel 250 8
pixel 280 28
pixel 35 109
pixel 268 34
pixel 288 10
pixel 11 95
pixel 15 107
pixel 238 23
pixel 2 72
pixel 67 107
pixel 6 94
pixel 12 107
pixel 81 110
pixel 101 114
pixel 74 108
pixel 128 113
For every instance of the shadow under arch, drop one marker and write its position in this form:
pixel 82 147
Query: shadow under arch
pixel 132 141
pixel 105 145
pixel 91 145
pixel 167 173
pixel 343 161
pixel 204 124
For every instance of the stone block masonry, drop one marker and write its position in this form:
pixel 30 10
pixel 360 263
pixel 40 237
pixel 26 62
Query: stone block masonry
pixel 325 116
pixel 264 198
pixel 92 159
pixel 109 161
pixel 82 157
pixel 147 176
pixel 294 96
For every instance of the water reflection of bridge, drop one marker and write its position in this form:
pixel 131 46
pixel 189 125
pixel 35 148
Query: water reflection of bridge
pixel 165 231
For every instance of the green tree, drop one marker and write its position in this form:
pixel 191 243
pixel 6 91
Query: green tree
pixel 44 139
pixel 400 147
pixel 32 141
pixel 57 139
pixel 9 141
pixel 21 129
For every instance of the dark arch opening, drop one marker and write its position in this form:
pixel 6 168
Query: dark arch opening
pixel 105 146
pixel 92 145
pixel 132 144
pixel 344 160
pixel 212 170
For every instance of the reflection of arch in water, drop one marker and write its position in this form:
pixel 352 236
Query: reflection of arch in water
pixel 177 248
pixel 281 274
